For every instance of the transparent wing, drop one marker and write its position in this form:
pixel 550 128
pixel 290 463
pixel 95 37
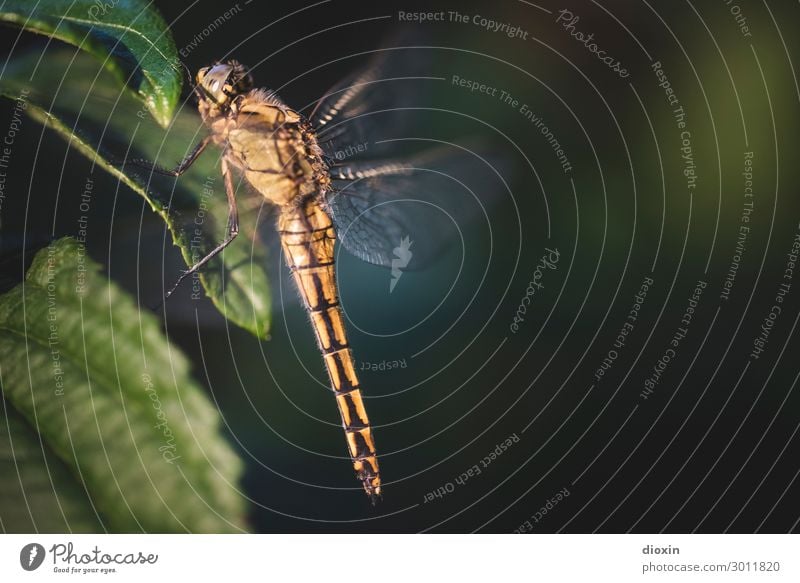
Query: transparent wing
pixel 408 213
pixel 371 104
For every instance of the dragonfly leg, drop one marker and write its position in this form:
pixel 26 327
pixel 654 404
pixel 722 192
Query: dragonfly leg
pixel 232 230
pixel 182 166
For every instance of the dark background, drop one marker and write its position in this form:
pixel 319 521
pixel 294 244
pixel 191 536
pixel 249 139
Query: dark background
pixel 713 449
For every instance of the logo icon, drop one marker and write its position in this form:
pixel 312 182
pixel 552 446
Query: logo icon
pixel 31 556
pixel 402 255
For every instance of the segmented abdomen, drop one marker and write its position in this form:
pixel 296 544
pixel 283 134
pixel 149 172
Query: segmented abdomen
pixel 307 237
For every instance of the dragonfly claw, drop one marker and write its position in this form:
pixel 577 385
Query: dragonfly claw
pixel 372 486
pixel 373 495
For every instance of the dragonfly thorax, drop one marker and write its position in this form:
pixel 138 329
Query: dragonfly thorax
pixel 273 146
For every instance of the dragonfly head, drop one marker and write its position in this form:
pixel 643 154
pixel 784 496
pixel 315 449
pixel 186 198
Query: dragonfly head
pixel 219 84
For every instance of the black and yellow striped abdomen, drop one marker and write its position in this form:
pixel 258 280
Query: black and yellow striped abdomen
pixel 307 237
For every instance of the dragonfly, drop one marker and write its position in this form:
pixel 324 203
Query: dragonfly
pixel 294 163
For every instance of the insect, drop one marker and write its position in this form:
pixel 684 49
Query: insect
pixel 293 162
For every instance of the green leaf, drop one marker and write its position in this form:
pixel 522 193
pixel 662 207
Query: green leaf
pixel 37 492
pixel 128 36
pixel 114 400
pixel 98 117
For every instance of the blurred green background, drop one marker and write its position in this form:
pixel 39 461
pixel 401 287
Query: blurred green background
pixel 690 456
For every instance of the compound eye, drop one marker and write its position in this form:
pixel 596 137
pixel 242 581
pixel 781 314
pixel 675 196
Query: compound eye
pixel 214 85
